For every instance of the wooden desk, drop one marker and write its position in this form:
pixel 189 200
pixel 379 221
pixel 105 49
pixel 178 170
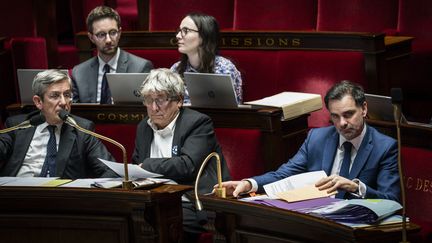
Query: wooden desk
pixel 280 139
pixel 62 215
pixel 248 222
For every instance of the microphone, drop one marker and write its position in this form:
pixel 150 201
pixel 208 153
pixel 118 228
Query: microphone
pixel 65 116
pixel 219 191
pixel 396 98
pixel 34 121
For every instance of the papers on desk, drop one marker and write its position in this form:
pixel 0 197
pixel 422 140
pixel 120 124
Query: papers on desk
pixel 359 211
pixel 32 181
pixel 298 187
pixel 135 172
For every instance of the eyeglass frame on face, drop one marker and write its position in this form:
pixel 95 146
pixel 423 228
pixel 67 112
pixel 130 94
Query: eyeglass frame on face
pixel 68 96
pixel 160 102
pixel 102 35
pixel 185 30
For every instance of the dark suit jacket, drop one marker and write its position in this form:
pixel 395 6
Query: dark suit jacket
pixel 375 163
pixel 193 140
pixel 85 75
pixel 77 155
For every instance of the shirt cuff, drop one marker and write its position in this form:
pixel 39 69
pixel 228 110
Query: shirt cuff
pixel 361 191
pixel 253 183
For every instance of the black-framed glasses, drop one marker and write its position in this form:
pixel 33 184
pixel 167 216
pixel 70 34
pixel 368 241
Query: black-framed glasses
pixel 184 31
pixel 148 101
pixel 57 96
pixel 102 35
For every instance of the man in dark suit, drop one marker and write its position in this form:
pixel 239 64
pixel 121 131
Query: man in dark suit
pixel 371 168
pixel 89 79
pixel 73 154
pixel 174 141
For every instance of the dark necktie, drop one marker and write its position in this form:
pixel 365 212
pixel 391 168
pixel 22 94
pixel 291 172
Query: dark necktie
pixel 105 91
pixel 49 166
pixel 344 171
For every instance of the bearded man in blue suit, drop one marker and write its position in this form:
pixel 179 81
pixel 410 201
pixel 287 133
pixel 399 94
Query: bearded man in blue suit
pixel 372 170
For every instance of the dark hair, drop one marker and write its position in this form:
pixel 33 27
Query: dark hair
pixel 102 12
pixel 345 87
pixel 208 30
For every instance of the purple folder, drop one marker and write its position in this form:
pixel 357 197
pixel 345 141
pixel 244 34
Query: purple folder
pixel 301 206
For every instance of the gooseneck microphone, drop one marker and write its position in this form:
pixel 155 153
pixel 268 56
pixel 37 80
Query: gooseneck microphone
pixel 32 122
pixel 65 116
pixel 396 97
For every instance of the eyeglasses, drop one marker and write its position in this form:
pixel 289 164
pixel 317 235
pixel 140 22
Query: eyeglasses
pixel 184 31
pixel 102 35
pixel 57 96
pixel 148 101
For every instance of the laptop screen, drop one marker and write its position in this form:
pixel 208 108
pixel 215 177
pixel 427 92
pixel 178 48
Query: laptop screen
pixel 125 87
pixel 25 82
pixel 380 108
pixel 210 90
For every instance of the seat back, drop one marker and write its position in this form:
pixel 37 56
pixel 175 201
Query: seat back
pixel 167 14
pixel 275 14
pixel 124 134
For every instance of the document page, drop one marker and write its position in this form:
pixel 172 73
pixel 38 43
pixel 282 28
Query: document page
pixel 134 170
pixel 293 182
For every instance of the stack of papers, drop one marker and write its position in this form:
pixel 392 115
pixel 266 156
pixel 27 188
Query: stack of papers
pixel 359 211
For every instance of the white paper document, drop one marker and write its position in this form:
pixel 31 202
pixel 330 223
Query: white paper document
pixel 27 181
pixel 135 172
pixel 293 182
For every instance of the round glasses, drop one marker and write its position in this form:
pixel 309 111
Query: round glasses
pixel 102 35
pixel 148 101
pixel 184 31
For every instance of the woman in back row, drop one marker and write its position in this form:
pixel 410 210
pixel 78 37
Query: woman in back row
pixel 197 39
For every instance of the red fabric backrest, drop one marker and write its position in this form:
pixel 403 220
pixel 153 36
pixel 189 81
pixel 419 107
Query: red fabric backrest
pixel 242 149
pixel 29 52
pixel 17 19
pixel 79 11
pixel 417 165
pixel 128 12
pixel 316 72
pixel 415 18
pixel 258 70
pixel 357 15
pixel 167 14
pixel 275 14
pixel 123 133
pixel 161 58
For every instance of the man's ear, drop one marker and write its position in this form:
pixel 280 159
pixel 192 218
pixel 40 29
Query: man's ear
pixel 38 102
pixel 90 36
pixel 365 109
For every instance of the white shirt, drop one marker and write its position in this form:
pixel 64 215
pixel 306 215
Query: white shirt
pixel 113 67
pixel 162 140
pixel 36 153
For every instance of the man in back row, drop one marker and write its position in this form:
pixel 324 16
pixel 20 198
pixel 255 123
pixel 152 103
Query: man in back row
pixel 89 78
pixel 360 161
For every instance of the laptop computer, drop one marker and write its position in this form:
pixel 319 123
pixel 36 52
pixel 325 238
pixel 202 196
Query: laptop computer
pixel 125 87
pixel 25 81
pixel 210 90
pixel 380 108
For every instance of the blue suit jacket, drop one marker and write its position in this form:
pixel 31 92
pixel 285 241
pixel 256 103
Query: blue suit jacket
pixel 375 164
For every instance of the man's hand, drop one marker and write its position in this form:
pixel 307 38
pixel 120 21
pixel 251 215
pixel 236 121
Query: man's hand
pixel 234 188
pixel 334 182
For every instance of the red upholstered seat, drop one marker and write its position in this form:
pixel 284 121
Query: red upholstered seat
pixel 167 14
pixel 29 52
pixel 316 72
pixel 275 14
pixel 258 70
pixel 417 165
pixel 357 15
pixel 17 19
pixel 242 149
pixel 123 133
pixel 128 12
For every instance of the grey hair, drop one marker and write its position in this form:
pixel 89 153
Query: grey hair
pixel 45 78
pixel 163 80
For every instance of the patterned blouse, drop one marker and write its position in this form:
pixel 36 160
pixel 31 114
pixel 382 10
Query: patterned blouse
pixel 222 66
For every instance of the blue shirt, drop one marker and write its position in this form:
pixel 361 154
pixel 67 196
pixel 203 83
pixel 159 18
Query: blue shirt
pixel 222 66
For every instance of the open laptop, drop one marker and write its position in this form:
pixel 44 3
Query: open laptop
pixel 25 81
pixel 380 108
pixel 210 90
pixel 125 87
